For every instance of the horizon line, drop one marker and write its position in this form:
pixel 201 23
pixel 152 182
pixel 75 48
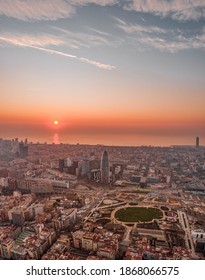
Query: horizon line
pixel 103 145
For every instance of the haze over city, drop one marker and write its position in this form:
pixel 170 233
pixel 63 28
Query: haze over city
pixel 109 72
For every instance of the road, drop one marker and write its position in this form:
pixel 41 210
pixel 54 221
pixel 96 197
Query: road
pixel 97 199
pixel 188 239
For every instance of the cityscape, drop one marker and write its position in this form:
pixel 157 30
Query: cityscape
pixel 102 130
pixel 96 202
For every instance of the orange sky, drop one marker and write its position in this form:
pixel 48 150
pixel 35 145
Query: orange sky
pixel 107 74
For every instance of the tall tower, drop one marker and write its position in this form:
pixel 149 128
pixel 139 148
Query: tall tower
pixel 105 168
pixel 197 141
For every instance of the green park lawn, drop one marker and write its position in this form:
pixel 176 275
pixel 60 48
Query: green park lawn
pixel 138 214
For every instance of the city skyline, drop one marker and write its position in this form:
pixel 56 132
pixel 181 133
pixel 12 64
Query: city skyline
pixel 107 72
pixel 84 202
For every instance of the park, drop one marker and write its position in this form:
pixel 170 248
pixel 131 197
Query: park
pixel 138 214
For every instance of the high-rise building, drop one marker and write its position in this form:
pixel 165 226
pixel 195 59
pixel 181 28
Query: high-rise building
pixel 197 141
pixel 23 149
pixel 105 168
pixel 84 167
pixel 61 165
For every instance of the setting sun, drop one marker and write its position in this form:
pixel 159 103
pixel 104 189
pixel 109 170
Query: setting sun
pixel 55 122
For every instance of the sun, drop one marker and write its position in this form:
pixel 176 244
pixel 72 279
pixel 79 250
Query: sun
pixel 55 122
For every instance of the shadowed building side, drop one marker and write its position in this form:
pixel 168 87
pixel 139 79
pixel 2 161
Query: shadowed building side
pixel 197 142
pixel 105 168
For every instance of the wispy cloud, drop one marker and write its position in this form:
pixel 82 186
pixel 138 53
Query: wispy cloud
pixel 97 31
pixel 83 59
pixel 83 39
pixel 39 42
pixel 36 10
pixel 97 2
pixel 29 10
pixel 177 9
pixel 170 40
pixel 131 28
pixel 31 40
pixel 165 44
pixel 89 38
pixel 97 64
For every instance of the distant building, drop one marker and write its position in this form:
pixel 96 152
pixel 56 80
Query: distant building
pixel 4 172
pixel 197 141
pixel 68 166
pixel 198 234
pixel 5 247
pixel 107 252
pixel 94 164
pixel 18 218
pixel 84 166
pixel 61 165
pixel 23 149
pixel 68 162
pixel 105 168
pixel 95 175
pixel 200 246
pixel 135 178
pixel 143 182
pixel 152 180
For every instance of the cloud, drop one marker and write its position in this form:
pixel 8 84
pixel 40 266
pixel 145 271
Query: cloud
pixel 83 39
pixel 172 45
pixel 29 10
pixel 31 40
pixel 177 9
pixel 83 59
pixel 36 10
pixel 97 2
pixel 90 38
pixel 74 40
pixel 97 64
pixel 132 28
pixel 39 42
pixel 97 31
pixel 170 40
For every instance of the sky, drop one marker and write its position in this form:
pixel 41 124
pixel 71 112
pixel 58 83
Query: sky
pixel 110 72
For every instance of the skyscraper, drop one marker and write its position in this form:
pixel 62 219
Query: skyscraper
pixel 197 141
pixel 105 168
